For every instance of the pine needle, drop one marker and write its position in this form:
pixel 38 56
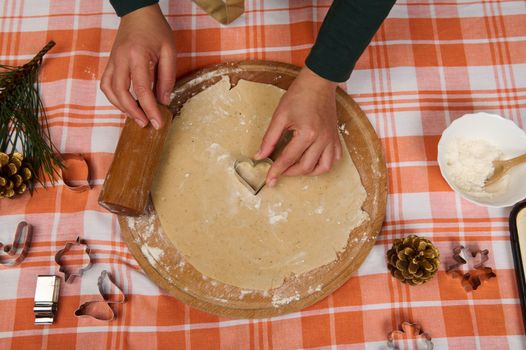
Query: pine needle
pixel 21 129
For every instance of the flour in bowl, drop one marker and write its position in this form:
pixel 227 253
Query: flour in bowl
pixel 470 163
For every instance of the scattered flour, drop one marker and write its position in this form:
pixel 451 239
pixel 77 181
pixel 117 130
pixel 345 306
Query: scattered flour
pixel 246 199
pixel 153 254
pixel 242 293
pixel 296 259
pixel 148 230
pixel 470 163
pixel 278 300
pixel 217 151
pixel 274 218
pixel 222 157
pixel 214 147
pixel 181 264
pixel 313 290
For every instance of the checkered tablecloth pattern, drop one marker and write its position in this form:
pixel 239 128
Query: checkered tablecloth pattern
pixel 430 62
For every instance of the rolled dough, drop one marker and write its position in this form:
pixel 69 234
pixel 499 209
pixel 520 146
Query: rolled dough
pixel 225 232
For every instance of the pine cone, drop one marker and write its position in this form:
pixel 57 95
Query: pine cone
pixel 413 260
pixel 15 175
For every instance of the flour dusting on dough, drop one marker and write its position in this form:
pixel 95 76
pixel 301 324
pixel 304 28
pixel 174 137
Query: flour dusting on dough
pixel 274 218
pixel 223 230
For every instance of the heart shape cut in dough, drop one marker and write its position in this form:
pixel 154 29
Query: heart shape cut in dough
pixel 252 173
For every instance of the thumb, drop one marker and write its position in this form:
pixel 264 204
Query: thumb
pixel 272 136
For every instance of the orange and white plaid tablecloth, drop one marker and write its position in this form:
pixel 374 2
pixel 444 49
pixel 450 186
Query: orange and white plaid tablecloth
pixel 430 62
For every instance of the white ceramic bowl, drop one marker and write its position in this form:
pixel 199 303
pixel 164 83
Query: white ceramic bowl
pixel 506 136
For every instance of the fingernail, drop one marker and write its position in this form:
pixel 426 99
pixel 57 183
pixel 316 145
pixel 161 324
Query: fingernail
pixel 141 122
pixel 257 155
pixel 155 124
pixel 272 183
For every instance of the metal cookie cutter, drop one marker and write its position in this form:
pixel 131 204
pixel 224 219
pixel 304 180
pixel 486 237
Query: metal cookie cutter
pixel 248 177
pixel 70 276
pixel 23 236
pixel 410 335
pixel 46 299
pixel 79 164
pixel 470 271
pixel 102 310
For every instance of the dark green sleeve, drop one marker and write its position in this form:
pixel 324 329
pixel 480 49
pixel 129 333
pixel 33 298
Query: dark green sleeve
pixel 345 33
pixel 123 7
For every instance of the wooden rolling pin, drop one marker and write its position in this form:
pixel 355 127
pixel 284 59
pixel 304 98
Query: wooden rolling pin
pixel 128 182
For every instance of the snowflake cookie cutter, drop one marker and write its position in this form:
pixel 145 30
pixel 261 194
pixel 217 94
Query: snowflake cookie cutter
pixel 69 276
pixel 21 244
pixel 471 274
pixel 410 336
pixel 103 310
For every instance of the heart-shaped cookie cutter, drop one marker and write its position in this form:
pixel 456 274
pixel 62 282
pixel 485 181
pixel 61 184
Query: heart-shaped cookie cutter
pixel 253 188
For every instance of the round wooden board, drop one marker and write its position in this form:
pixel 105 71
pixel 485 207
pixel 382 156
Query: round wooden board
pixel 167 268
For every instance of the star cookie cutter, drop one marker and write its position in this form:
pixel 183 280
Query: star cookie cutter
pixel 103 310
pixel 247 175
pixel 472 274
pixel 69 276
pixel 22 239
pixel 410 334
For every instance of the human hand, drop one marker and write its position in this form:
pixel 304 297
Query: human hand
pixel 308 109
pixel 143 43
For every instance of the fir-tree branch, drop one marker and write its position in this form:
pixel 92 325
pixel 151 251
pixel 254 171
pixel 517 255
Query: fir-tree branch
pixel 23 121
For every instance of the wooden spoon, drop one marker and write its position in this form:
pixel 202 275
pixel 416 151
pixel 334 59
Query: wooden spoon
pixel 502 167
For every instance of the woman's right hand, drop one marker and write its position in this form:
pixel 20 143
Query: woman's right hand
pixel 143 54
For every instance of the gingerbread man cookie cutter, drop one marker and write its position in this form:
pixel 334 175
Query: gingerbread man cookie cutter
pixel 411 334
